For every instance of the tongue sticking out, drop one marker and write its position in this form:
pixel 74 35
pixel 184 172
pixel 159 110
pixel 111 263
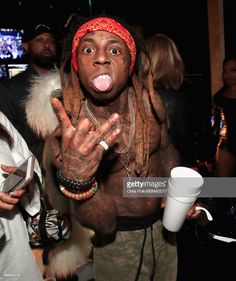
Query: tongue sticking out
pixel 102 83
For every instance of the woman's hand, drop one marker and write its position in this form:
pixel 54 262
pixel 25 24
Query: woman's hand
pixel 81 152
pixel 8 169
pixel 8 201
pixel 194 213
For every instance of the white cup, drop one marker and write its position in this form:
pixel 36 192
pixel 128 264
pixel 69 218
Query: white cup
pixel 184 186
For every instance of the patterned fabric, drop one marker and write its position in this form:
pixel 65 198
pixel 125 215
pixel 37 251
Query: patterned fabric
pixel 104 24
pixel 119 260
pixel 47 227
pixel 223 122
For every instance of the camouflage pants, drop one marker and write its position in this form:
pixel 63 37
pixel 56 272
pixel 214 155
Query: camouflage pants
pixel 118 261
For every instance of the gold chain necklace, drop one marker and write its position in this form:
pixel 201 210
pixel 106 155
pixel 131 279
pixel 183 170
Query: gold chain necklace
pixel 131 133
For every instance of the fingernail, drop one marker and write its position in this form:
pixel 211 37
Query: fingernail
pixel 115 116
pixel 53 101
pixel 117 131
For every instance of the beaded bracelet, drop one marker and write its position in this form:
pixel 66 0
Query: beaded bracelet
pixel 80 196
pixel 74 185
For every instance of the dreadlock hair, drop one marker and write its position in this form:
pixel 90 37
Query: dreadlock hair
pixel 141 80
pixel 5 136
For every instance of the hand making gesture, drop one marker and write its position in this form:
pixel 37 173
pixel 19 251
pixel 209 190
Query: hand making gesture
pixel 83 145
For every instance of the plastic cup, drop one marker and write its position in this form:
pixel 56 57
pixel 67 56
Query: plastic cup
pixel 184 186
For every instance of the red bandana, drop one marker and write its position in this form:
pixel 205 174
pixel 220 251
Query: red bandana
pixel 104 24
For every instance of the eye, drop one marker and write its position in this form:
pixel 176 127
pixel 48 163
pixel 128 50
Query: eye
pixel 115 51
pixel 88 50
pixel 51 41
pixel 39 40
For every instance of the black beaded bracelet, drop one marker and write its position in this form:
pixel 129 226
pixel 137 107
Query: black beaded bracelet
pixel 74 185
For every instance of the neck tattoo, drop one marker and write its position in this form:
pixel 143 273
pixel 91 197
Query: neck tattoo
pixel 131 134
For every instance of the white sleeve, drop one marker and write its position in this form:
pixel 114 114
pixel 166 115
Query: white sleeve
pixel 15 156
pixel 20 150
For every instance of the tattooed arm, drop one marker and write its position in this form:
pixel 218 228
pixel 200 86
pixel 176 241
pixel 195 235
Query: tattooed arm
pixel 81 156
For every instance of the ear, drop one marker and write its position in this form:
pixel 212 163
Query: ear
pixel 25 47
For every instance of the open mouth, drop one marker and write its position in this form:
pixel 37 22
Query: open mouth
pixel 102 83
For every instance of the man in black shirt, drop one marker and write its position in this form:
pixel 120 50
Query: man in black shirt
pixel 39 44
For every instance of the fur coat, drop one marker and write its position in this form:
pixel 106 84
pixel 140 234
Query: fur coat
pixel 68 256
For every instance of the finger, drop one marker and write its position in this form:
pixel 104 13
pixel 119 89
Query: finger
pixel 109 140
pixel 112 137
pixel 163 202
pixel 104 144
pixel 8 199
pixel 60 112
pixel 112 122
pixel 193 213
pixel 83 127
pixel 56 133
pixel 99 143
pixel 55 146
pixel 5 206
pixel 8 169
pixel 111 126
pixel 17 193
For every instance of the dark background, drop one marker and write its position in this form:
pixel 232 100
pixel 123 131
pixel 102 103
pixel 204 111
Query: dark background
pixel 185 21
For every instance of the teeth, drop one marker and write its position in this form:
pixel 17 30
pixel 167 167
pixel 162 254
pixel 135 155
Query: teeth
pixel 104 76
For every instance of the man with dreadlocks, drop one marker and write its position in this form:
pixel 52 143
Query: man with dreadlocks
pixel 112 125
